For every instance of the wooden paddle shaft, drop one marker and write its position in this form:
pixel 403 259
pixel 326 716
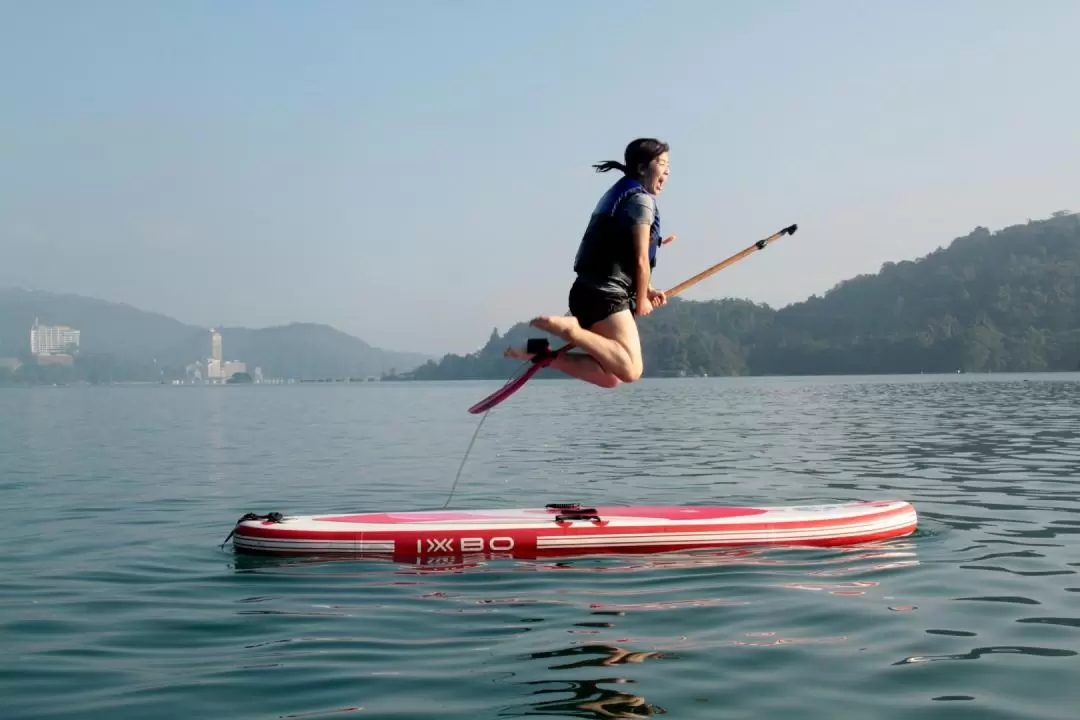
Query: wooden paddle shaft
pixel 759 245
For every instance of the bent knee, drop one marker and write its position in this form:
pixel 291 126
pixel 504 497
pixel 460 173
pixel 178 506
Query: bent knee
pixel 630 374
pixel 609 382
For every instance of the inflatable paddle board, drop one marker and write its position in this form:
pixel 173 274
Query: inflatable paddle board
pixel 569 529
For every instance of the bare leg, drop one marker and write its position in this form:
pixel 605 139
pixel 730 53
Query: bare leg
pixel 575 364
pixel 612 348
pixel 585 367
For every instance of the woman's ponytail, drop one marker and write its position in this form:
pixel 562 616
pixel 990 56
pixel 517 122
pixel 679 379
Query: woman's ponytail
pixel 639 152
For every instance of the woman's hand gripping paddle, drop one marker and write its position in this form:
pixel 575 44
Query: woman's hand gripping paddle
pixel 543 356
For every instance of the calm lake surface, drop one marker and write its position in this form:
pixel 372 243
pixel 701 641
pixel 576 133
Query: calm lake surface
pixel 117 601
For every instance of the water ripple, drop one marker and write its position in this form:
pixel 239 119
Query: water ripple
pixel 118 603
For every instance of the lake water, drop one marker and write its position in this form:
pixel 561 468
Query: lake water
pixel 117 601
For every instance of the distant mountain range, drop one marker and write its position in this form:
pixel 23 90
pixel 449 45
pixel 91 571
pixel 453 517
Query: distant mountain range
pixel 135 344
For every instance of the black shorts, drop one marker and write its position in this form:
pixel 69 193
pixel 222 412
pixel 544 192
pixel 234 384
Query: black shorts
pixel 590 304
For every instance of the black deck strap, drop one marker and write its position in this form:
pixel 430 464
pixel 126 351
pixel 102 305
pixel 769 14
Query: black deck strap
pixel 577 513
pixel 563 518
pixel 269 517
pixel 578 510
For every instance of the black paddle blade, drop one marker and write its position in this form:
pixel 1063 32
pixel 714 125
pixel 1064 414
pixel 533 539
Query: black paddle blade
pixel 790 229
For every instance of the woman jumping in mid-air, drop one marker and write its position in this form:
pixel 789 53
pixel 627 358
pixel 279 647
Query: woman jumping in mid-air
pixel 614 267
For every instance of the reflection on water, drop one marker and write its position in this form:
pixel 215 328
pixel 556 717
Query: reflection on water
pixel 581 614
pixel 584 698
pixel 977 653
pixel 887 554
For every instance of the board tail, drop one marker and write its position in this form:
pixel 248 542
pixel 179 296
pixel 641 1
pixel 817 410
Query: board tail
pixel 542 357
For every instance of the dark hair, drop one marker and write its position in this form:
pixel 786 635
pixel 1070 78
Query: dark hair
pixel 639 152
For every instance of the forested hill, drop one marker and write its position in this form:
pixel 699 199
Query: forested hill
pixel 120 342
pixel 1003 301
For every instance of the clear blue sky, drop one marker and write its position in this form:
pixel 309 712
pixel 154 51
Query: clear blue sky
pixel 357 163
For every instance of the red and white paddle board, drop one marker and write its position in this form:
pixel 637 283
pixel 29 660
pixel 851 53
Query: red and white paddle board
pixel 561 530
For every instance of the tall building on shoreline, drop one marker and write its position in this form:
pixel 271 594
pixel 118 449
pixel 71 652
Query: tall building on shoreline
pixel 53 339
pixel 214 371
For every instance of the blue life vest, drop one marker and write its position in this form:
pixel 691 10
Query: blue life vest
pixel 606 253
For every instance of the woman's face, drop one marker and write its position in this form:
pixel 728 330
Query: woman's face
pixel 656 173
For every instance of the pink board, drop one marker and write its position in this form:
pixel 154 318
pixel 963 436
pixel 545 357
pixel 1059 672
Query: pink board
pixel 554 531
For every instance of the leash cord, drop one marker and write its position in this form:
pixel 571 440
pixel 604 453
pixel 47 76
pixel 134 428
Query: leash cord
pixel 468 450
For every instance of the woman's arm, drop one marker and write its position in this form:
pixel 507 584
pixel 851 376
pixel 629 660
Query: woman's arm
pixel 642 272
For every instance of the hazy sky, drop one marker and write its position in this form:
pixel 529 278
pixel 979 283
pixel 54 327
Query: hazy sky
pixel 357 163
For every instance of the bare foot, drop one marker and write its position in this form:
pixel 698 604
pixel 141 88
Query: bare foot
pixel 562 326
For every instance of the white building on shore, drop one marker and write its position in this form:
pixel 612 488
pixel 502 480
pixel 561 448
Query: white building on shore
pixel 53 339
